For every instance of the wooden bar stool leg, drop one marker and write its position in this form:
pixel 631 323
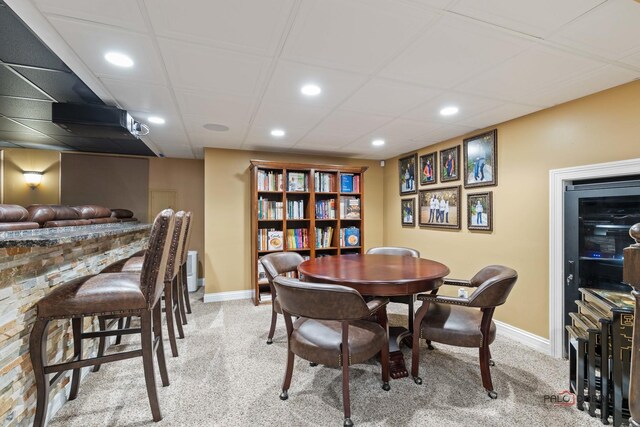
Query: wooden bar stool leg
pixel 168 310
pixel 146 338
pixel 176 306
pixel 272 329
pixel 102 323
pixel 185 289
pixel 38 354
pixel 346 401
pixel 120 326
pixel 158 343
pixel 76 324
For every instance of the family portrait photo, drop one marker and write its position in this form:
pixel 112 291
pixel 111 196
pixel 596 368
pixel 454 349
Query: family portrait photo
pixel 480 162
pixel 440 208
pixel 408 209
pixel 407 170
pixel 449 167
pixel 480 211
pixel 428 169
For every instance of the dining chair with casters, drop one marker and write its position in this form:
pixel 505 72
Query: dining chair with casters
pixel 111 294
pixel 332 329
pixel 274 265
pixel 465 322
pixel 403 299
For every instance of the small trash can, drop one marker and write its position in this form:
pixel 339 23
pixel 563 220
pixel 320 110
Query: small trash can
pixel 192 271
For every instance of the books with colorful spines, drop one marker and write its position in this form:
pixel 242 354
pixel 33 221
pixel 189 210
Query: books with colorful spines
pixel 298 181
pixel 346 183
pixel 352 236
pixel 351 208
pixel 274 240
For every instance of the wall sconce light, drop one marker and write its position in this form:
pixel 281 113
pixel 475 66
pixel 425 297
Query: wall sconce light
pixel 33 179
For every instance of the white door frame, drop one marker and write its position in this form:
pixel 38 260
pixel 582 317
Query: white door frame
pixel 558 178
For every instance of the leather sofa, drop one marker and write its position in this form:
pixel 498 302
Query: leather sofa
pixel 123 215
pixel 14 217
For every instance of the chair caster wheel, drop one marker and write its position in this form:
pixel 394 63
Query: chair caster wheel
pixel 493 395
pixel 491 362
pixel 386 387
pixel 348 422
pixel 417 380
pixel 284 395
pixel 313 364
pixel 269 341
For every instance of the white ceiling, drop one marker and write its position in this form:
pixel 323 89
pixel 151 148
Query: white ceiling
pixel 386 67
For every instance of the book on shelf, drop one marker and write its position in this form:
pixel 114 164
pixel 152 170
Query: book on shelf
pixel 297 238
pixel 346 183
pixel 298 181
pixel 324 182
pixel 350 207
pixel 269 180
pixel 356 183
pixel 350 236
pixel 295 209
pixel 324 237
pixel 262 275
pixel 326 209
pixel 274 240
pixel 269 209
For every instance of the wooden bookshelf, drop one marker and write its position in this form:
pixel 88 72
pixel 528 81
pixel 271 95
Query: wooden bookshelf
pixel 290 201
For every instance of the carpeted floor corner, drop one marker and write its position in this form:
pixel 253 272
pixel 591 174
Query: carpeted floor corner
pixel 227 376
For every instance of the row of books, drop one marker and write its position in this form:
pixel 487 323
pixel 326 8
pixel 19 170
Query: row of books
pixel 326 209
pixel 269 181
pixel 269 209
pixel 324 237
pixel 324 182
pixel 295 209
pixel 350 207
pixel 297 238
pixel 349 183
pixel 269 239
pixel 297 181
pixel 350 236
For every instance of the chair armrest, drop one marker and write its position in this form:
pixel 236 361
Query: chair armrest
pixel 443 299
pixel 375 304
pixel 459 282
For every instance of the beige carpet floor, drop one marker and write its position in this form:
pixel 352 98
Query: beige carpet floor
pixel 227 376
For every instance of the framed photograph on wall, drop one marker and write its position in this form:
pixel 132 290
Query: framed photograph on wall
pixel 449 164
pixel 481 160
pixel 428 168
pixel 408 212
pixel 440 208
pixel 407 172
pixel 480 211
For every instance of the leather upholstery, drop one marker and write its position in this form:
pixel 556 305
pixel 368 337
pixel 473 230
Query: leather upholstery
pixel 65 216
pixel 276 264
pixel 394 250
pixel 92 211
pixel 66 223
pixel 175 251
pixel 186 239
pixel 15 226
pixel 121 213
pixel 131 265
pixel 98 294
pixel 320 341
pixel 155 261
pixel 13 213
pixel 107 220
pixel 454 325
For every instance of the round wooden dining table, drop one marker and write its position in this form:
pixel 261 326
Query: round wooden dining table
pixel 380 276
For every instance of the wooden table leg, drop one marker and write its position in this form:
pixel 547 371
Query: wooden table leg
pixel 397 366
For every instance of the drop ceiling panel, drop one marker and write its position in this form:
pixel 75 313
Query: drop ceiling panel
pixel 385 97
pixel 92 41
pixel 12 125
pixel 289 116
pixel 196 67
pixel 451 52
pixel 356 35
pixel 215 108
pixel 260 136
pixel 248 25
pixel 468 105
pixel 612 30
pixel 502 113
pixel 289 77
pixel 321 140
pixel 25 108
pixel 351 124
pixel 11 84
pixel 61 86
pixel 45 126
pixel 121 13
pixel 400 131
pixel 633 60
pixel 528 73
pixel 194 125
pixel 152 99
pixel 215 140
pixel 443 133
pixel 537 18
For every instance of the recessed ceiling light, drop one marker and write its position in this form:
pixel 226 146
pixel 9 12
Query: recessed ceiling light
pixel 377 142
pixel 156 120
pixel 449 111
pixel 311 90
pixel 119 59
pixel 277 133
pixel 215 127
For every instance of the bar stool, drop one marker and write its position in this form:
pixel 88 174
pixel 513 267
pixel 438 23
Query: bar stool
pixel 113 294
pixel 171 287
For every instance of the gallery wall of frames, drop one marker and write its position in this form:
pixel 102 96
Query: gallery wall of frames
pixel 435 179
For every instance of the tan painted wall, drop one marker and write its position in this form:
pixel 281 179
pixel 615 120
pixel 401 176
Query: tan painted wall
pixel 186 177
pixel 227 211
pixel 599 128
pixel 18 160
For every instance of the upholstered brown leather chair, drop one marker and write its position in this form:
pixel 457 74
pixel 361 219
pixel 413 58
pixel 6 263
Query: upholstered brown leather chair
pixel 332 330
pixel 404 299
pixel 274 265
pixel 113 294
pixel 172 291
pixel 465 322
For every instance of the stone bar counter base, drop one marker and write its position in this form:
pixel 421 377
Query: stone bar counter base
pixel 31 263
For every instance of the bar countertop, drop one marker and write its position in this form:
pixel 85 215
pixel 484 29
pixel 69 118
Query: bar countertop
pixel 46 237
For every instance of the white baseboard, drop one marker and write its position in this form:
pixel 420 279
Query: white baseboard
pixel 527 338
pixel 227 296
